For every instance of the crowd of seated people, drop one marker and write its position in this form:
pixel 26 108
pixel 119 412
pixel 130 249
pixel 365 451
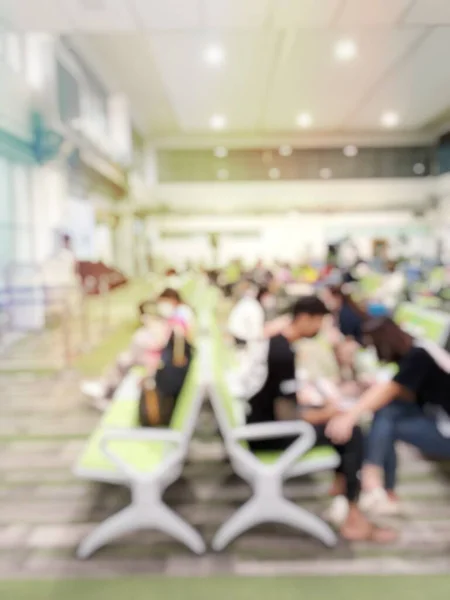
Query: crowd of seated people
pixel 412 406
pixel 274 379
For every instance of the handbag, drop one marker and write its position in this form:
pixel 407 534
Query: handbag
pixel 159 393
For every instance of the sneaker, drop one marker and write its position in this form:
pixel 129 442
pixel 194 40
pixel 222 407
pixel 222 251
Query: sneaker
pixel 337 512
pixel 93 389
pixel 377 503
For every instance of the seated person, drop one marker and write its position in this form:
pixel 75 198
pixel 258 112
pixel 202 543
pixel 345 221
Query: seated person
pixel 247 317
pixel 268 383
pixel 170 306
pixel 146 345
pixel 413 407
pixel 393 287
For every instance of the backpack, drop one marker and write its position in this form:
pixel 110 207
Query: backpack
pixel 160 392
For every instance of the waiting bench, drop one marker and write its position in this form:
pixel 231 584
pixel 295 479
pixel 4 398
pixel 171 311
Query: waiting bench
pixel 264 471
pixel 147 460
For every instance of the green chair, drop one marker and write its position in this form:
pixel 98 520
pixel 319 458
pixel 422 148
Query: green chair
pixel 147 460
pixel 265 471
pixel 432 325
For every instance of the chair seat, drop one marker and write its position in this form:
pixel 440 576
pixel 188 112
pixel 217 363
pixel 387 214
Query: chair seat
pixel 143 456
pixel 268 457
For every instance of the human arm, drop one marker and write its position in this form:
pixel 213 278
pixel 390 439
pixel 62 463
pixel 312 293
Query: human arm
pixel 406 384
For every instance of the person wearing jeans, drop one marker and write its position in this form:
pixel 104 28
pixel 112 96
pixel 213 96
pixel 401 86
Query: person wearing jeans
pixel 414 407
pixel 400 421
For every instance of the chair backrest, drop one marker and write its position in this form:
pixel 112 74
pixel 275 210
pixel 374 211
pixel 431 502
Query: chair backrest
pixel 229 411
pixel 421 322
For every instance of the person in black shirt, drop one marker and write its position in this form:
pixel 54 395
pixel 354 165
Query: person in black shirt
pixel 269 384
pixel 414 407
pixel 349 316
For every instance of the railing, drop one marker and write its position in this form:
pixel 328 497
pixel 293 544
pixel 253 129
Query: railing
pixel 57 323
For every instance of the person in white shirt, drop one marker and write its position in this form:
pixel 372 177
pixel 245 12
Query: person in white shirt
pixel 247 318
pixel 392 288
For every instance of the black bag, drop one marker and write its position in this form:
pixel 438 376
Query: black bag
pixel 159 393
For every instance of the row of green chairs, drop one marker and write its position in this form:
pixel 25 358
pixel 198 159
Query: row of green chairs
pixel 147 460
pixel 264 471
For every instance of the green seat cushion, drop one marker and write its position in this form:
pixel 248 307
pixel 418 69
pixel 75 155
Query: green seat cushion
pixel 422 322
pixel 142 456
pixel 269 457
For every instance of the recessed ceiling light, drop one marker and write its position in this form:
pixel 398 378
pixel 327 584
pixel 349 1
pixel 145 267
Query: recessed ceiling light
pixel 285 150
pixel 220 152
pixel 350 151
pixel 218 122
pixel 304 120
pixel 390 119
pixel 326 173
pixel 419 169
pixel 345 50
pixel 214 55
pixel 223 174
pixel 274 173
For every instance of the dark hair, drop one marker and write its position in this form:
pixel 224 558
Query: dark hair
pixel 262 291
pixel 337 292
pixel 170 294
pixel 391 342
pixel 309 305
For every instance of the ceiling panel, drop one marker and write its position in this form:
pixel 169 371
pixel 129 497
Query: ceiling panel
pixel 168 14
pixel 429 12
pixel 136 74
pixel 197 92
pixel 312 81
pixel 100 15
pixel 371 12
pixel 42 15
pixel 418 91
pixel 305 13
pixel 235 13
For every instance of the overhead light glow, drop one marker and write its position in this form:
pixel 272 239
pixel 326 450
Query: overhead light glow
pixel 223 174
pixel 345 50
pixel 218 122
pixel 285 150
pixel 326 173
pixel 419 169
pixel 274 173
pixel 214 55
pixel 220 152
pixel 350 151
pixel 304 120
pixel 390 119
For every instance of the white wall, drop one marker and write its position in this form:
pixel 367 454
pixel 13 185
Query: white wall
pixel 49 189
pixel 310 216
pixel 337 195
pixel 285 237
pixel 14 103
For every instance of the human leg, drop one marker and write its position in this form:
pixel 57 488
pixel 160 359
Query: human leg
pixel 354 525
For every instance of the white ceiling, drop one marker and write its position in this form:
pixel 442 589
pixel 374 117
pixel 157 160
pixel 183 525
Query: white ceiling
pixel 279 62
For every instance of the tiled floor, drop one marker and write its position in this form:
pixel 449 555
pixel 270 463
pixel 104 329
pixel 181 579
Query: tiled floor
pixel 45 511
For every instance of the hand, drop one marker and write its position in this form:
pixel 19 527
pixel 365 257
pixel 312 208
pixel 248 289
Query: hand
pixel 340 428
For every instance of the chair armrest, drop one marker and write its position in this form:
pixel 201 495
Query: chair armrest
pixel 134 435
pixel 274 429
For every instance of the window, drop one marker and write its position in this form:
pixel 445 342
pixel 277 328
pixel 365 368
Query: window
pixel 68 95
pixel 15 214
